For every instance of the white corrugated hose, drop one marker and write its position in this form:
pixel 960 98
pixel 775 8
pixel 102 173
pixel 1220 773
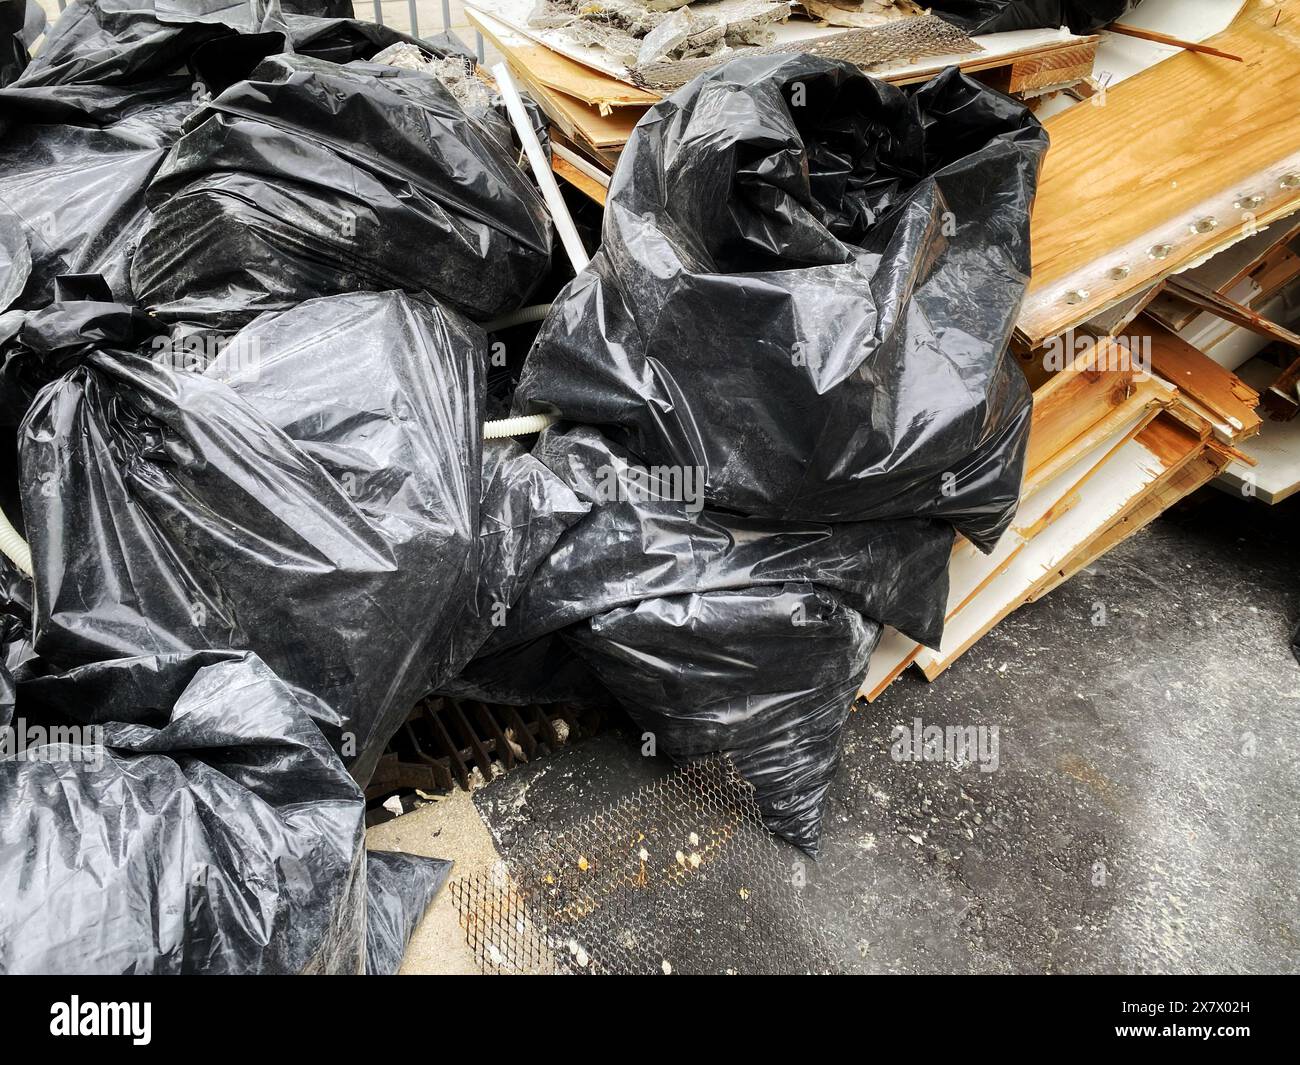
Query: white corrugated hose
pixel 14 546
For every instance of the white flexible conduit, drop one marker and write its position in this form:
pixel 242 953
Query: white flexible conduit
pixel 14 546
pixel 535 313
pixel 521 426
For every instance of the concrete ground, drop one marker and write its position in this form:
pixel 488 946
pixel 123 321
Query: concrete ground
pixel 1144 816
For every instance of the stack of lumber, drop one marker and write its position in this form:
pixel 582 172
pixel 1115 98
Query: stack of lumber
pixel 1164 262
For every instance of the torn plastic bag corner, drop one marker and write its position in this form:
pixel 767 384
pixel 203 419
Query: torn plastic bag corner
pixel 312 498
pixel 310 178
pixel 399 889
pixel 244 852
pixel 1000 16
pixel 765 675
pixel 806 286
pixel 776 618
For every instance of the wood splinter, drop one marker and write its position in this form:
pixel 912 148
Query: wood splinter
pixel 1175 42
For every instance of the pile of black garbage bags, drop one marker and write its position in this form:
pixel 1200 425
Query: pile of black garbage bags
pixel 244 276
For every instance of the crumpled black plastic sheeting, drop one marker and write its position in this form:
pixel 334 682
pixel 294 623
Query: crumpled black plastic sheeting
pixel 312 498
pixel 208 827
pixel 310 178
pixel 775 618
pixel 806 287
pixel 999 16
pixel 72 193
pixel 129 42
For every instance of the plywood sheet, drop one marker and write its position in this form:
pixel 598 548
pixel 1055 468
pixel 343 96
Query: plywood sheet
pixel 1191 140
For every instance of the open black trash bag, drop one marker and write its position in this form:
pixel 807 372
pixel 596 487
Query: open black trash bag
pixel 806 286
pixel 775 618
pixel 206 826
pixel 311 178
pixel 999 16
pixel 320 508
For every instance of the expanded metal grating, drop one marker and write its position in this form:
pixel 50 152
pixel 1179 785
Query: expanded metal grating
pixel 906 40
pixel 679 877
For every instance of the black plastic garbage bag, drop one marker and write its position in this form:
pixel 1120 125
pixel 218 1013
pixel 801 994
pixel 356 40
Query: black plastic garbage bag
pixel 399 889
pixel 524 509
pixel 124 42
pixel 718 631
pixel 998 16
pixel 805 288
pixel 640 542
pixel 87 125
pixel 311 178
pixel 765 675
pixel 73 170
pixel 175 814
pixel 320 509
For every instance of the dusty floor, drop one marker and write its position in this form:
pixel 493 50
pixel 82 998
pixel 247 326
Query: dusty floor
pixel 1145 814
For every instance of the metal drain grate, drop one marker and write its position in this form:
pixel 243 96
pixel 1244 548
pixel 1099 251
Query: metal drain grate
pixel 679 877
pixel 445 741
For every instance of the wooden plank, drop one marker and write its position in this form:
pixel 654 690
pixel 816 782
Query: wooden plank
pixel 1275 451
pixel 1224 272
pixel 1200 469
pixel 893 654
pixel 1128 189
pixel 1049 69
pixel 1231 311
pixel 1113 321
pixel 588 186
pixel 1175 42
pixel 1203 379
pixel 1100 497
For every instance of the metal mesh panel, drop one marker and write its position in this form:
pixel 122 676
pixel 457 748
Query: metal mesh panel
pixel 904 41
pixel 681 876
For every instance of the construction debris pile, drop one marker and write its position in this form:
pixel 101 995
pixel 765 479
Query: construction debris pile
pixel 857 366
